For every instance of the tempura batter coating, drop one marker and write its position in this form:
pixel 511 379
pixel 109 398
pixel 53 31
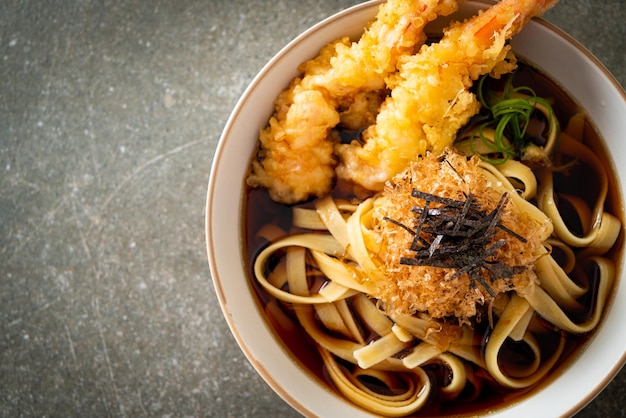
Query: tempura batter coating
pixel 397 31
pixel 430 98
pixel 295 160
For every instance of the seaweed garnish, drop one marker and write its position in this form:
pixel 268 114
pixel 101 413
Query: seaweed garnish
pixel 459 234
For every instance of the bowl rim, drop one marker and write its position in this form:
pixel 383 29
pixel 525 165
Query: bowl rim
pixel 218 162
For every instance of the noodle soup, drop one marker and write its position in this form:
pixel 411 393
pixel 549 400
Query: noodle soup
pixel 524 362
pixel 261 212
pixel 425 363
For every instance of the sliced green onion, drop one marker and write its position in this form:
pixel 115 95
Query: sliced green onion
pixel 510 114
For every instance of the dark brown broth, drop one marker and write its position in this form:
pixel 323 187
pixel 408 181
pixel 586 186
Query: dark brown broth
pixel 260 210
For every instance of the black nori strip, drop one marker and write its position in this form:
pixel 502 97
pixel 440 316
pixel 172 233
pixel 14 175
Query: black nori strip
pixel 400 224
pixel 512 233
pixel 457 236
pixel 438 199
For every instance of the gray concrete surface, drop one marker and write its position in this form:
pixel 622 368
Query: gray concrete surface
pixel 110 112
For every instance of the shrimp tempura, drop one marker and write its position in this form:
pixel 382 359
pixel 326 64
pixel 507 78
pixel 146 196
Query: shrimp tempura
pixel 430 98
pixel 296 160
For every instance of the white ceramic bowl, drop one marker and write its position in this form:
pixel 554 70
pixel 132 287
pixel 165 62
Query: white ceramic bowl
pixel 540 43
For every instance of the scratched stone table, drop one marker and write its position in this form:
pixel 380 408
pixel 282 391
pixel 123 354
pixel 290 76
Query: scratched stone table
pixel 110 112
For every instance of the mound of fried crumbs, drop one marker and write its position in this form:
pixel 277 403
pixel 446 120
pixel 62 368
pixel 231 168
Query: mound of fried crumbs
pixel 436 267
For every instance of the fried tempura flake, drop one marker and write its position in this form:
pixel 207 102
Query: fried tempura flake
pixel 450 241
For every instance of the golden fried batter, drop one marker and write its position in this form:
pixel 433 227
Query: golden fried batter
pixel 430 98
pixel 407 288
pixel 295 160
